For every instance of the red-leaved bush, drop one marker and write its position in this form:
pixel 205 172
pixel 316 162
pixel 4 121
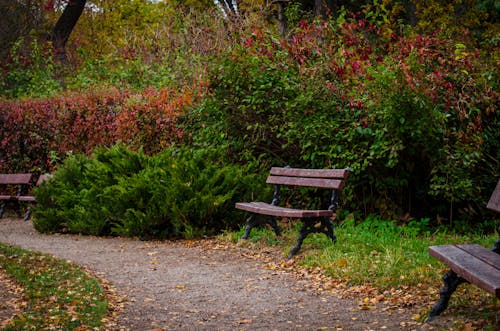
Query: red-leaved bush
pixel 38 132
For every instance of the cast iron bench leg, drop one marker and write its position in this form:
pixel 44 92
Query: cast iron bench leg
pixel 27 216
pixel 303 232
pixel 2 208
pixel 254 220
pixel 309 226
pixel 328 224
pixel 451 282
pixel 274 224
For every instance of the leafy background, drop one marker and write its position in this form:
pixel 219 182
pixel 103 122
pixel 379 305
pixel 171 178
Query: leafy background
pixel 408 102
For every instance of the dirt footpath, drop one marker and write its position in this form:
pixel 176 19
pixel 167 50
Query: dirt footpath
pixel 173 286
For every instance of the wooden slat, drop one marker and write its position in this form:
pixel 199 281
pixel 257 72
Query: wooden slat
pixel 478 272
pixel 308 182
pixel 30 198
pixel 26 198
pixel 6 197
pixel 268 209
pixel 494 203
pixel 314 173
pixel 482 253
pixel 15 179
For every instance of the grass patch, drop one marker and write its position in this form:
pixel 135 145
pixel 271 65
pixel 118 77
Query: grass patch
pixel 382 253
pixel 57 295
pixel 392 259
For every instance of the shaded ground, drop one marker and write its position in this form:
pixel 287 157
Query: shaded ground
pixel 10 296
pixel 186 286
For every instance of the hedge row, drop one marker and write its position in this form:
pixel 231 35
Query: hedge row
pixel 37 133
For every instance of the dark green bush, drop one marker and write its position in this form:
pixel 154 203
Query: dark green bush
pixel 177 193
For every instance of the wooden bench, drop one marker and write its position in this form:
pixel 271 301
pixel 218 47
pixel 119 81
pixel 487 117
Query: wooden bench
pixel 471 263
pixel 319 221
pixel 18 182
pixel 23 182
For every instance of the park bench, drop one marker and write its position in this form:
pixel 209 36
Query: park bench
pixel 313 221
pixel 21 185
pixel 470 263
pixel 15 185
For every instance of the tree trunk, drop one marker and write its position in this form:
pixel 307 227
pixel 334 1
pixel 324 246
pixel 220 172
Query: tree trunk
pixel 64 27
pixel 281 18
pixel 411 17
pixel 318 8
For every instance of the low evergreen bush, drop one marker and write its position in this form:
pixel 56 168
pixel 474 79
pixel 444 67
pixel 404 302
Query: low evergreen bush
pixel 176 193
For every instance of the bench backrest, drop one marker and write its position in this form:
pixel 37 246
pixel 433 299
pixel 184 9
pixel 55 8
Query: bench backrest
pixel 494 203
pixel 15 179
pixel 320 178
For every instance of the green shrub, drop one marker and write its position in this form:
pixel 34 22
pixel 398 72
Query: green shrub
pixel 413 116
pixel 176 193
pixel 29 75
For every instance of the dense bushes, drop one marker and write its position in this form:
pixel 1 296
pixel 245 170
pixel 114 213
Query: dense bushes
pixel 36 133
pixel 119 192
pixel 413 116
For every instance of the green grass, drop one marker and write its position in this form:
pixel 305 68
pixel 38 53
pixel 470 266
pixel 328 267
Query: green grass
pixel 58 295
pixel 390 258
pixel 384 254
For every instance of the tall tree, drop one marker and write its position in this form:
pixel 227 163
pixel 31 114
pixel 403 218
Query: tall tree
pixel 64 26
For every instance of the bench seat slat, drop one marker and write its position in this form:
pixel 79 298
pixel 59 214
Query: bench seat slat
pixel 26 198
pixel 268 209
pixel 313 173
pixel 7 197
pixel 482 253
pixel 15 179
pixel 326 183
pixel 482 270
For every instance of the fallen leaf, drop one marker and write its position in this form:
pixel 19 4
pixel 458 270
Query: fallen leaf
pixel 244 321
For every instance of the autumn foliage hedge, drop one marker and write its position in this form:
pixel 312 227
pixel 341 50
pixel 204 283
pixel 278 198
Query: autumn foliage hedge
pixel 37 133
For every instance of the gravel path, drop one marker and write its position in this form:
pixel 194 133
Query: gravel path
pixel 172 286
